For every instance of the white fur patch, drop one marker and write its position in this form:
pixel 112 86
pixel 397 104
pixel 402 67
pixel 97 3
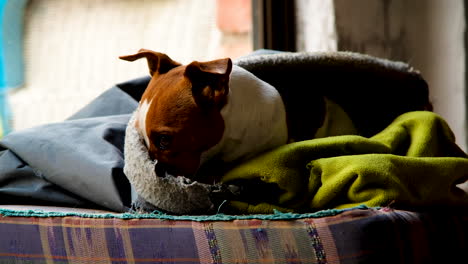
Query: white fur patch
pixel 254 118
pixel 141 117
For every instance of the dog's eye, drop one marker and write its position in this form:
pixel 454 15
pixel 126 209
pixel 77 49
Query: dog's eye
pixel 163 141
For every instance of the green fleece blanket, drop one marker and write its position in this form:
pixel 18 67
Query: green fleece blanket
pixel 413 162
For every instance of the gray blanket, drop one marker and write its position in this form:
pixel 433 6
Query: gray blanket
pixel 79 162
pixel 75 163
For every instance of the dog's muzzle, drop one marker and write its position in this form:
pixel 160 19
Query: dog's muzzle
pixel 157 187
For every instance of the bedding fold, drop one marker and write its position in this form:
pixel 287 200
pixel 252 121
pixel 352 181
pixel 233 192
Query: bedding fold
pixel 414 162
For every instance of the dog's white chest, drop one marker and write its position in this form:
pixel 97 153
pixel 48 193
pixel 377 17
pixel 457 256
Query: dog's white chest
pixel 254 117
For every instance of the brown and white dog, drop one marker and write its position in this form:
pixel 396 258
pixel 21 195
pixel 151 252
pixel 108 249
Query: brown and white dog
pixel 191 113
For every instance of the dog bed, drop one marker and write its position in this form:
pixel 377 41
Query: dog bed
pixel 334 172
pixel 79 163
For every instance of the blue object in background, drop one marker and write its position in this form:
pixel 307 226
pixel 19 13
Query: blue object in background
pixel 11 55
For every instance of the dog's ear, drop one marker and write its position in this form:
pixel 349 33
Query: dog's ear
pixel 158 63
pixel 210 81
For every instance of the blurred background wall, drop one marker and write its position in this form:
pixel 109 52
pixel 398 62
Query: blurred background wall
pixel 71 46
pixel 427 34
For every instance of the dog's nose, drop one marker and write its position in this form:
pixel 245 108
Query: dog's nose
pixel 175 171
pixel 160 170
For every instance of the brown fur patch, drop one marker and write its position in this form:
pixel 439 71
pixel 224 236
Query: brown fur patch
pixel 174 112
pixel 188 118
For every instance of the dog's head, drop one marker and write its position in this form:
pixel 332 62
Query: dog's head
pixel 179 112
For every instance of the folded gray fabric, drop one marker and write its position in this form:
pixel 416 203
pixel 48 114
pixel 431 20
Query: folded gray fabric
pixel 75 163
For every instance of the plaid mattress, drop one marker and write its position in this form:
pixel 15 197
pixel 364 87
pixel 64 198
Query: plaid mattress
pixel 363 235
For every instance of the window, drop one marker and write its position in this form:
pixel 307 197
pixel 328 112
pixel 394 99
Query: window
pixel 71 47
pixel 11 55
